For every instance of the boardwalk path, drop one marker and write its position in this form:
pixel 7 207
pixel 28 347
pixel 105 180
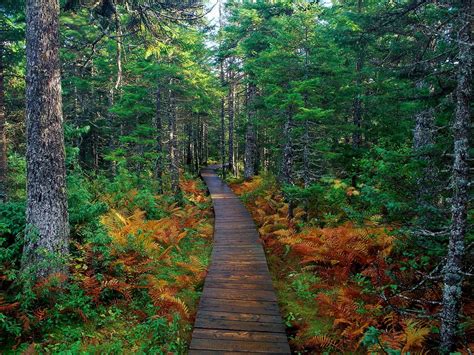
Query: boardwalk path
pixel 238 311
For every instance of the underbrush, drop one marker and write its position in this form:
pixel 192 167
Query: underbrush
pixel 137 266
pixel 346 284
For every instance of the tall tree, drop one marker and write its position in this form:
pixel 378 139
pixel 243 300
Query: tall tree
pixel 453 270
pixel 159 139
pixel 231 115
pixel 3 133
pixel 250 135
pixel 47 234
pixel 173 141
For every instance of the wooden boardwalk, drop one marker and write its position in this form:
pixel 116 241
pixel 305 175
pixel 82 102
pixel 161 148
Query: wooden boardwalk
pixel 238 311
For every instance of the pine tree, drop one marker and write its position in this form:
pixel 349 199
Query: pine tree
pixel 47 235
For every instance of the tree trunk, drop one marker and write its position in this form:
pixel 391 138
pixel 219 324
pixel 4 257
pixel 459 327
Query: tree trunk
pixel 230 108
pixel 250 137
pixel 205 133
pixel 222 133
pixel 3 133
pixel 453 274
pixel 189 146
pixel 423 140
pixel 287 161
pixel 47 235
pixel 306 139
pixel 196 127
pixel 357 104
pixel 118 33
pixel 159 140
pixel 173 146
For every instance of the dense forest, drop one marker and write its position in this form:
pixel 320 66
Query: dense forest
pixel 344 126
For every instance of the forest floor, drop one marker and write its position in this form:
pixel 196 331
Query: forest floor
pixel 134 283
pixel 139 261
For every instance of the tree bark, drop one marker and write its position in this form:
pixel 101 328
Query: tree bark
pixel 287 161
pixel 173 145
pixel 230 109
pixel 47 234
pixel 423 140
pixel 196 127
pixel 118 32
pixel 357 103
pixel 453 273
pixel 3 133
pixel 250 137
pixel 159 140
pixel 222 133
pixel 189 146
pixel 306 139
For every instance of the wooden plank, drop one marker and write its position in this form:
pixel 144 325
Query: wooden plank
pixel 239 306
pixel 230 294
pixel 242 335
pixel 237 280
pixel 244 317
pixel 212 323
pixel 242 346
pixel 239 285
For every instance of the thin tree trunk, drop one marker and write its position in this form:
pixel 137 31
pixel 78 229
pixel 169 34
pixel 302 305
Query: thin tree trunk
pixel 453 273
pixel 205 133
pixel 306 139
pixel 423 140
pixel 3 133
pixel 287 159
pixel 173 146
pixel 195 136
pixel 189 143
pixel 222 133
pixel 200 140
pixel 230 108
pixel 118 31
pixel 47 235
pixel 357 103
pixel 159 140
pixel 250 138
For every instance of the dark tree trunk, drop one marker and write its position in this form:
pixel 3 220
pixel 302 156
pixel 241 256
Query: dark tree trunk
pixel 357 107
pixel 3 133
pixel 200 140
pixel 159 140
pixel 250 136
pixel 357 103
pixel 453 273
pixel 47 234
pixel 195 136
pixel 306 138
